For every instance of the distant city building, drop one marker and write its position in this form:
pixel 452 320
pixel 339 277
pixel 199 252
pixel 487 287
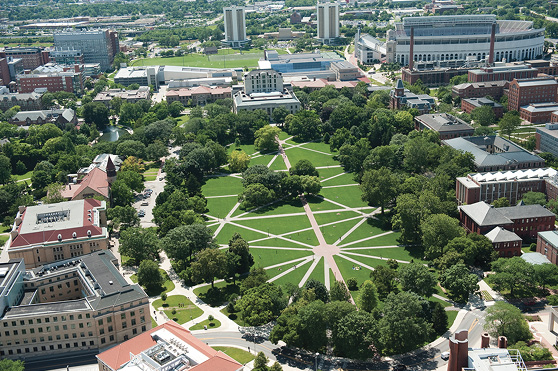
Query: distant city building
pixel 512 184
pixel 495 89
pixel 67 56
pixel 235 26
pixel 310 65
pixel 446 125
pixel 128 96
pixel 328 22
pixel 494 153
pixel 166 347
pixel 284 34
pixel 442 6
pixel 524 220
pixel 15 66
pixel 54 78
pixel 370 50
pixel 502 71
pixel 48 233
pixel 143 76
pixel 547 138
pixel 198 96
pixel 177 76
pixel 26 101
pixel 80 304
pixel 54 116
pixel 263 89
pixel 469 104
pixel 345 71
pixel 317 84
pixel 4 72
pixel 535 90
pixel 32 57
pixel 401 98
pixel 295 18
pixel 96 46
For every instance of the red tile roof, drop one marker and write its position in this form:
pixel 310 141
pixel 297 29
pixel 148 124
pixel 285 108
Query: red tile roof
pixel 96 180
pixel 120 354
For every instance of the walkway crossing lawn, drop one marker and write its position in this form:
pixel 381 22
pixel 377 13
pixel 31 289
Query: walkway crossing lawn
pixel 277 242
pixel 268 257
pixel 348 196
pixel 219 186
pixel 318 146
pixel 220 207
pixel 325 218
pixel 343 179
pixel 278 164
pixel 248 148
pixel 319 204
pixel 317 159
pixel 239 355
pixel 444 303
pixel 347 271
pixel 333 233
pixel 329 172
pixel 286 206
pixel 389 239
pixel 228 231
pixel 172 301
pixel 277 225
pixel 295 276
pixel 397 253
pixel 261 159
pixel 318 272
pixel 365 230
pixel 308 237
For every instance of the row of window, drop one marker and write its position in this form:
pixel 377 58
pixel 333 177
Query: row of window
pixel 44 348
pixel 63 318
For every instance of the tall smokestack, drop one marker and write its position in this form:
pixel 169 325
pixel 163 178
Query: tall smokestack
pixel 411 49
pixel 459 349
pixel 492 40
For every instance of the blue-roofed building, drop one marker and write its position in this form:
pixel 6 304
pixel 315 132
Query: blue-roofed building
pixel 547 244
pixel 493 153
pixel 547 138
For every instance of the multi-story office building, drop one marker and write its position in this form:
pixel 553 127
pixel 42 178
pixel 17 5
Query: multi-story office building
pixel 235 26
pixel 67 56
pixel 53 78
pixel 527 91
pixel 446 125
pixel 328 22
pixel 82 304
pixel 469 104
pixel 32 57
pixel 198 96
pixel 547 138
pixel 96 46
pixel 52 232
pixel 480 89
pixel 502 71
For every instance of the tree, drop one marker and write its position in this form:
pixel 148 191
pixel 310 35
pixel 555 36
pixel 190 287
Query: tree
pixel 54 194
pixel 5 169
pixel 256 195
pixel 238 256
pixel 417 278
pixel 266 138
pixel 156 150
pixel 123 217
pixel 533 198
pixel 10 365
pixel 96 113
pixel 504 319
pixel 133 180
pixel 483 115
pixel 509 122
pixel 256 277
pixel 121 194
pixel 384 279
pixel 460 282
pixel 303 167
pixel 546 274
pixel 184 241
pixel 260 362
pixel 238 161
pixel 501 202
pixel 304 125
pixel 278 115
pixel 437 231
pixel 276 366
pixel 379 187
pixel 131 148
pixel 210 263
pixel 368 299
pixel 512 274
pixel 132 163
pixel 354 336
pixel 319 288
pixel 403 316
pixel 339 292
pixel 139 244
pixel 261 304
pixel 439 318
pixel 175 108
pixel 149 275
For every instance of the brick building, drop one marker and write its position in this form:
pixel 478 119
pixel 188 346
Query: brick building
pixel 4 72
pixel 55 116
pixel 547 244
pixel 32 57
pixel 538 113
pixel 512 185
pixel 54 78
pixel 431 76
pixel 401 97
pixel 505 243
pixel 128 96
pixel 200 95
pixel 506 72
pixel 495 89
pixel 469 104
pixel 26 101
pixel 52 232
pixel 524 220
pixel 534 90
pixel 446 125
pixel 77 305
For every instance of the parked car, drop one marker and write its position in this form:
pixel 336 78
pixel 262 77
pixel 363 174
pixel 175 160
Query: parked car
pixel 141 213
pixel 445 356
pixel 399 367
pixel 145 203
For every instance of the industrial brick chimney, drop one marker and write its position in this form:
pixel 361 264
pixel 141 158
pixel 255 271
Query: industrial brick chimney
pixel 492 41
pixel 459 350
pixel 411 50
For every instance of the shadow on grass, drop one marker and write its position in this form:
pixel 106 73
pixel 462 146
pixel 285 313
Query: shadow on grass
pixel 295 202
pixel 154 291
pixel 217 296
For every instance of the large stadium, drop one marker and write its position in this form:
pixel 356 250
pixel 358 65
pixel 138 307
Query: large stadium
pixel 456 37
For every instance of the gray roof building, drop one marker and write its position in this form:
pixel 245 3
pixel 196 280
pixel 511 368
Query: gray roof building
pixel 494 153
pixel 499 234
pixel 446 125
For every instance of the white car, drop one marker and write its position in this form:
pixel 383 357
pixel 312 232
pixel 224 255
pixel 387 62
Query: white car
pixel 445 356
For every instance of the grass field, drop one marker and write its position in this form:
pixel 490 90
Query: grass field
pixel 222 60
pixel 185 309
pixel 239 355
pixel 168 285
pixel 210 325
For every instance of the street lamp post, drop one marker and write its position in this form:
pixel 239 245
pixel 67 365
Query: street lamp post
pixel 316 358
